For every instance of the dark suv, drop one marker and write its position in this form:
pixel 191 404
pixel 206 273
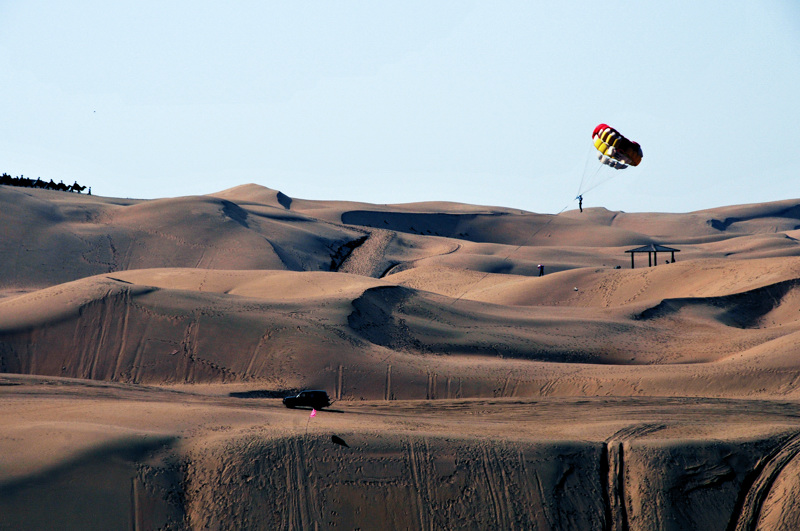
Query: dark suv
pixel 308 398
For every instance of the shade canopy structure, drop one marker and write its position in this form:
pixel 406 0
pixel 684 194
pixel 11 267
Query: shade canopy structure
pixel 652 251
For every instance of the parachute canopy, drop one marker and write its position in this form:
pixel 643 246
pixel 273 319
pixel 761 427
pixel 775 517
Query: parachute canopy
pixel 614 149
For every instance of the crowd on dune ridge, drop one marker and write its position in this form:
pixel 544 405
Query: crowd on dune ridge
pixel 23 181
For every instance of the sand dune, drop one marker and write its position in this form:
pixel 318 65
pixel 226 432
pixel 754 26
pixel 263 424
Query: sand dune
pixel 185 460
pixel 62 241
pixel 467 387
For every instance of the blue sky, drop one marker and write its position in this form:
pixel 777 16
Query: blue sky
pixel 477 102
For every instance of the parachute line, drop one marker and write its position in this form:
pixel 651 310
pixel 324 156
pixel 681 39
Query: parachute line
pixel 605 174
pixel 591 182
pixel 589 158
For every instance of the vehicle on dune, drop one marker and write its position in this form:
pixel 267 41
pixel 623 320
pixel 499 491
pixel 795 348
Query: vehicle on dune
pixel 312 398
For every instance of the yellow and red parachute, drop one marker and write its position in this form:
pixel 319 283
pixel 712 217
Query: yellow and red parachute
pixel 614 149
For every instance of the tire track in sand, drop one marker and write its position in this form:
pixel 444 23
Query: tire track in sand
pixel 613 472
pixel 420 484
pixel 497 487
pixel 766 473
pixel 369 258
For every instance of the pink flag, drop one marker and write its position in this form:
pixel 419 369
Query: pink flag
pixel 313 413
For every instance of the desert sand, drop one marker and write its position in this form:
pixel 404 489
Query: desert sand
pixel 145 345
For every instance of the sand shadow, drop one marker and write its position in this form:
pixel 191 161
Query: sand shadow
pixel 265 393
